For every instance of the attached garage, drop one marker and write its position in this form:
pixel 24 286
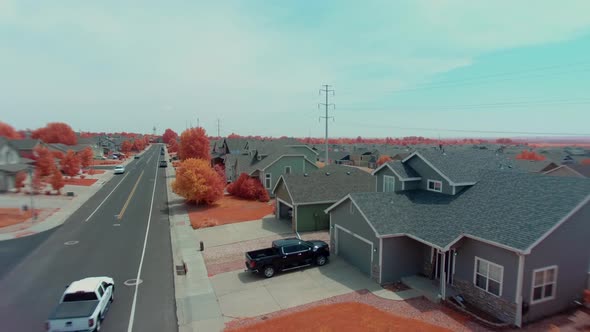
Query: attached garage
pixel 355 249
pixel 283 209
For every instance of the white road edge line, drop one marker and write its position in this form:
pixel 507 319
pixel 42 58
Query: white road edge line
pixel 105 199
pixel 147 231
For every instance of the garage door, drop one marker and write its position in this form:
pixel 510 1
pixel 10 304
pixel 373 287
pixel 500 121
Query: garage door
pixel 354 250
pixel 283 210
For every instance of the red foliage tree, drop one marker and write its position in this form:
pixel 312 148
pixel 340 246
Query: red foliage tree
pixel 169 135
pixel 126 147
pixel 194 144
pixel 86 156
pixel 44 162
pixel 530 155
pixel 56 132
pixel 248 188
pixel 19 181
pixel 138 145
pixel 70 164
pixel 57 154
pixel 383 159
pixel 197 182
pixel 173 146
pixel 57 181
pixel 8 131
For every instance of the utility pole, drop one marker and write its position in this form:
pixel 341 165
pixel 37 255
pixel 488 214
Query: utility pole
pixel 218 124
pixel 198 123
pixel 327 105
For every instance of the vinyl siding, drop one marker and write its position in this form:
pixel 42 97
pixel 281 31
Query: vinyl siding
pixel 427 173
pixel 312 217
pixel 379 179
pixel 298 166
pixel 569 249
pixel 402 257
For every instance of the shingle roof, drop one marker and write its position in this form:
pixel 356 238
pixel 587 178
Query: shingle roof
pixel 24 144
pixel 13 168
pixel 464 165
pixel 582 169
pixel 319 187
pixel 236 144
pixel 510 208
pixel 531 165
pixel 248 164
pixel 403 170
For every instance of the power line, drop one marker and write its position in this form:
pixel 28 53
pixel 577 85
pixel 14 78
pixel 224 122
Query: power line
pixel 326 117
pixel 218 126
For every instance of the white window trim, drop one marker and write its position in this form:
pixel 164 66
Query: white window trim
pixel 351 208
pixel 488 276
pixel 287 167
pixel 544 299
pixel 434 181
pixel 268 176
pixel 385 178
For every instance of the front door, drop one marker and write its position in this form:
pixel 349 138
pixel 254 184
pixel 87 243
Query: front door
pixel 449 263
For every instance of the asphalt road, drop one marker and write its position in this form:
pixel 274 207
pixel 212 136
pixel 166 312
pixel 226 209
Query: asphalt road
pixel 35 270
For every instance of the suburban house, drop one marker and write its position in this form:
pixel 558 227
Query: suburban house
pixel 26 147
pixel 534 166
pixel 513 244
pixel 575 170
pixel 268 160
pixel 10 164
pixel 302 198
pixel 335 157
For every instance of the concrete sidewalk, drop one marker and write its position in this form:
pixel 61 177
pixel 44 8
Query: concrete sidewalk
pixel 60 208
pixel 197 308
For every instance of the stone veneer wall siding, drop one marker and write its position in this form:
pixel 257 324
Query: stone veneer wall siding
pixel 489 303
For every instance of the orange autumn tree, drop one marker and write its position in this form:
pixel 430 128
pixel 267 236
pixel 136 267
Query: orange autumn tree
pixel 173 146
pixel 194 144
pixel 126 147
pixel 383 159
pixel 169 135
pixel 70 164
pixel 529 155
pixel 8 131
pixel 248 188
pixel 86 156
pixel 57 181
pixel 56 132
pixel 19 181
pixel 197 182
pixel 44 161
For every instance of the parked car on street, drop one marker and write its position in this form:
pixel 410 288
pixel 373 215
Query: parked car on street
pixel 83 305
pixel 287 254
pixel 119 169
pixel 163 163
pixel 136 156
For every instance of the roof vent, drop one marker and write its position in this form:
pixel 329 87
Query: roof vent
pixel 305 174
pixel 327 173
pixel 348 173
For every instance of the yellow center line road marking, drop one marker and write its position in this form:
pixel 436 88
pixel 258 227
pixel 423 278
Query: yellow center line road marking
pixel 129 198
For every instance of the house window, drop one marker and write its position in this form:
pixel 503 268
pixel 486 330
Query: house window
pixel 544 282
pixel 434 185
pixel 287 169
pixel 488 276
pixel 388 183
pixel 267 180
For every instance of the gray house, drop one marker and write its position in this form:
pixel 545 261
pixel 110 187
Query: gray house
pixel 308 195
pixel 10 164
pixel 512 243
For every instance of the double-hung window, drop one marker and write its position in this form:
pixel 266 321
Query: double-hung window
pixel 388 183
pixel 488 276
pixel 544 282
pixel 287 169
pixel 434 185
pixel 267 180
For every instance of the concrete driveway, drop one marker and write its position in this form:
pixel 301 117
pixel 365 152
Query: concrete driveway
pixel 244 294
pixel 243 231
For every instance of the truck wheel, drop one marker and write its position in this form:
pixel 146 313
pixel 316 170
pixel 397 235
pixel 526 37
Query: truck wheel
pixel 321 260
pixel 97 328
pixel 269 271
pixel 112 295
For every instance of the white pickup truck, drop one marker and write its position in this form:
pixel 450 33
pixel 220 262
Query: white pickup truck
pixel 83 305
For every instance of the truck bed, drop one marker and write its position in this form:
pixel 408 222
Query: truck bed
pixel 76 309
pixel 262 253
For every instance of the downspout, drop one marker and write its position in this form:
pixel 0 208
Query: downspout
pixel 443 276
pixel 380 260
pixel 519 281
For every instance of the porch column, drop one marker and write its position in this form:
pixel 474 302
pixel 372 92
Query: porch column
pixel 443 276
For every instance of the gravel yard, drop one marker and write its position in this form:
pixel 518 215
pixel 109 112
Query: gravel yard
pixel 230 257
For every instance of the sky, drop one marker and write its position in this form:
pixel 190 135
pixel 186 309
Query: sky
pixel 398 68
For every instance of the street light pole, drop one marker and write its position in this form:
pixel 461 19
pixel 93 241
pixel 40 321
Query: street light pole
pixel 34 216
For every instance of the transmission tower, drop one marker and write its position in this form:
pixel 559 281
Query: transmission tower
pixel 326 90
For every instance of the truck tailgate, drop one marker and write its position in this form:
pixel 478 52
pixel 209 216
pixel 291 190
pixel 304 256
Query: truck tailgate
pixel 72 316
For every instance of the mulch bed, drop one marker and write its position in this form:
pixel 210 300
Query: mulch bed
pixel 228 210
pixel 416 309
pixel 347 316
pixel 79 182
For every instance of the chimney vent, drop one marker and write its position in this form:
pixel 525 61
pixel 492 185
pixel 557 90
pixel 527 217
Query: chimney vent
pixel 327 173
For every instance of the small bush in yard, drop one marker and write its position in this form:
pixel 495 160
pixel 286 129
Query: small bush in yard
pixel 248 188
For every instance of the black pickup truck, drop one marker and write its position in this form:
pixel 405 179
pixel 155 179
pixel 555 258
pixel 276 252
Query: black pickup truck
pixel 287 254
